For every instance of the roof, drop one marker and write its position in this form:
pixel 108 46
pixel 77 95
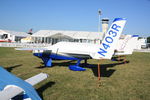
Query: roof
pixel 71 34
pixel 2 32
pixel 21 34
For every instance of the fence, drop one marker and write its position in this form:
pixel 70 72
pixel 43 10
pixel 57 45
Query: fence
pixel 24 45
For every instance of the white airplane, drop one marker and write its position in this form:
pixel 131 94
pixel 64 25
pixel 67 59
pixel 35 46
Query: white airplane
pixel 82 51
pixel 125 46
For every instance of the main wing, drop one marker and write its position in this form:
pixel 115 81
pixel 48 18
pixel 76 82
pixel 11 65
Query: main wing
pixel 30 49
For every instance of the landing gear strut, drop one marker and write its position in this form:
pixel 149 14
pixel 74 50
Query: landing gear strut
pixel 77 67
pixel 47 61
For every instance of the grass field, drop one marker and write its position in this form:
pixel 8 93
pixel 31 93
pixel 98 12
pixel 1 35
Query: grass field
pixel 119 81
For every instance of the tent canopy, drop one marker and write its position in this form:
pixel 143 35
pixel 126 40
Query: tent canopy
pixel 69 34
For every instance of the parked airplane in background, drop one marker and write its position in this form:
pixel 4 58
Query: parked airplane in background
pixel 127 45
pixel 82 51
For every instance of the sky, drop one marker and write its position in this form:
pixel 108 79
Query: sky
pixel 75 15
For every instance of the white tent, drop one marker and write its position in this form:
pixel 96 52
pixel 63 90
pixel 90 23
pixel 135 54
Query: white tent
pixel 74 35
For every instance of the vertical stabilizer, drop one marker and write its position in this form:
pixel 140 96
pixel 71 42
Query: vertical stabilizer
pixel 108 45
pixel 130 45
pixel 123 42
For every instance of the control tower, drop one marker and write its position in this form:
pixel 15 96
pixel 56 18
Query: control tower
pixel 105 22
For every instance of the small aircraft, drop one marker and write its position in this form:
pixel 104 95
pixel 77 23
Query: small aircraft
pixel 14 88
pixel 81 51
pixel 125 46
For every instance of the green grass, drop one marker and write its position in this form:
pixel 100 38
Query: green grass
pixel 119 81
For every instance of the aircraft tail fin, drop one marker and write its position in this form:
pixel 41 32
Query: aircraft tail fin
pixel 108 45
pixel 122 43
pixel 128 45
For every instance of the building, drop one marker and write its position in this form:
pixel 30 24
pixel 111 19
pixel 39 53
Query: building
pixel 12 36
pixel 141 43
pixel 54 36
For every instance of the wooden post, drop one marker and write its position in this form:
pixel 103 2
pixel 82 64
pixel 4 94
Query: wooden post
pixel 99 72
pixel 124 59
pixel 119 58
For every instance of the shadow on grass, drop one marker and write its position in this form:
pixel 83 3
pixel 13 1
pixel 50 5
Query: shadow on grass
pixel 43 88
pixel 9 69
pixel 120 59
pixel 104 68
pixel 65 63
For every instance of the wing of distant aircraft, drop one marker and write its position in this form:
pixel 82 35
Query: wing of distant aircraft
pixel 12 86
pixel 83 51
